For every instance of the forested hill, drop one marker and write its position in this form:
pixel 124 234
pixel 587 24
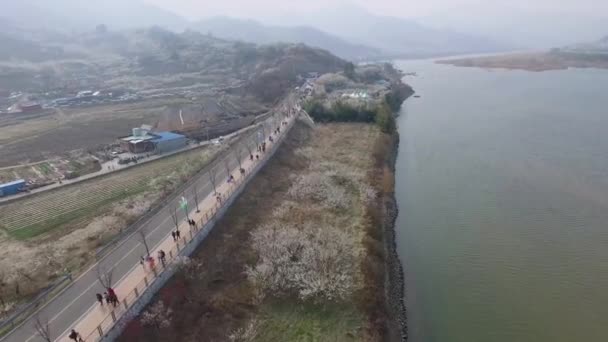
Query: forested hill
pixel 154 57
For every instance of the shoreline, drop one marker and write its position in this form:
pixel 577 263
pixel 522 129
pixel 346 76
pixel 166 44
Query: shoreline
pixel 394 277
pixel 532 61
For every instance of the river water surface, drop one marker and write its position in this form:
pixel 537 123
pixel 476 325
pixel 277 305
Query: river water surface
pixel 502 186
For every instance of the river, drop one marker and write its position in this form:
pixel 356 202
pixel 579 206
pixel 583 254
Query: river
pixel 502 187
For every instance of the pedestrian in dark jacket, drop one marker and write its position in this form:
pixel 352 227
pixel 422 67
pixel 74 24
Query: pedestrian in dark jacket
pixel 161 257
pixel 173 235
pixel 99 298
pixel 177 234
pixel 74 335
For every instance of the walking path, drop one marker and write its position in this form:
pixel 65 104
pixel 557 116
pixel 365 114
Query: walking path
pixel 76 307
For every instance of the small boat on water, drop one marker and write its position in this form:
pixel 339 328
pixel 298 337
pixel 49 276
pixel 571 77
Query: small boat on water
pixel 416 96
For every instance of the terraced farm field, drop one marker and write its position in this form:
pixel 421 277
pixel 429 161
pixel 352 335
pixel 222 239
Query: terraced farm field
pixel 47 211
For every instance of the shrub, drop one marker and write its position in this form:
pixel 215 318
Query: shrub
pixel 315 263
pixel 320 187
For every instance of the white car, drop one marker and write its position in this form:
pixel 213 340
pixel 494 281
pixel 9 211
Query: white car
pixel 217 141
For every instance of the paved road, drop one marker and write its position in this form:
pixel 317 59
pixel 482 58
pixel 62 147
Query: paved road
pixel 70 305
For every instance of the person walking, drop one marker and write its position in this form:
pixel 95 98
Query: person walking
pixel 99 298
pixel 113 296
pixel 151 262
pixel 177 234
pixel 161 257
pixel 107 298
pixel 74 335
pixel 142 262
pixel 115 300
pixel 173 235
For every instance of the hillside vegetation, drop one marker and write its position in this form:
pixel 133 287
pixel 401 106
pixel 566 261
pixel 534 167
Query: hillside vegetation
pixel 153 58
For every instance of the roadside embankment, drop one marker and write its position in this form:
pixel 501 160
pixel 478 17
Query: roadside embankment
pixel 395 280
pixel 306 253
pixel 298 256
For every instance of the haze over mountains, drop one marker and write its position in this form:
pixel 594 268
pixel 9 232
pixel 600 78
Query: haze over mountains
pixel 530 29
pixel 398 36
pixel 356 35
pixel 255 32
pixel 347 31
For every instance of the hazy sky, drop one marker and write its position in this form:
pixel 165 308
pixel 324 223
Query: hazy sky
pixel 405 8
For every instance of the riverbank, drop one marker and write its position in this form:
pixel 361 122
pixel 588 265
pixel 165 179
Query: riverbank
pixel 533 61
pixel 322 195
pixel 395 280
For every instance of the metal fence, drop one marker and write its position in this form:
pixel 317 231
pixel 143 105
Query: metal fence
pixel 216 161
pixel 190 241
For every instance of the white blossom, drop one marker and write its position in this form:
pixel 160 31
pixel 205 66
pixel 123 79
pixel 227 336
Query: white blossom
pixel 157 315
pixel 314 262
pixel 246 334
pixel 320 187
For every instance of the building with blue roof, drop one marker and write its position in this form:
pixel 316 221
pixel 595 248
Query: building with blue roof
pixel 167 141
pixel 12 188
pixel 144 141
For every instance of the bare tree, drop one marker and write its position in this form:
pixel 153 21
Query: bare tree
pixel 238 152
pixel 3 287
pixel 195 191
pixel 173 212
pixel 226 163
pixel 249 148
pixel 158 316
pixel 104 276
pixel 212 178
pixel 142 238
pixel 43 328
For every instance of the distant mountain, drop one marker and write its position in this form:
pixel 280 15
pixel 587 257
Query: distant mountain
pixel 402 37
pixel 522 28
pixel 154 58
pixel 596 47
pixel 67 15
pixel 255 32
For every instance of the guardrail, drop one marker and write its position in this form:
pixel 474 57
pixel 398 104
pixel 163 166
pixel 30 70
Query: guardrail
pixel 44 297
pixel 41 299
pixel 103 250
pixel 131 304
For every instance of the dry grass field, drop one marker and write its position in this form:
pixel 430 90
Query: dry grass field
pixel 27 141
pixel 44 236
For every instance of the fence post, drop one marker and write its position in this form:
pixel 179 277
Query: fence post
pixel 100 331
pixel 171 254
pixel 113 316
pixel 146 280
pixel 124 301
pixel 136 293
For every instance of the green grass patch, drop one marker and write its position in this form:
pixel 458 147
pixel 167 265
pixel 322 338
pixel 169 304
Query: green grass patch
pixel 290 321
pixel 65 207
pixel 48 225
pixel 45 168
